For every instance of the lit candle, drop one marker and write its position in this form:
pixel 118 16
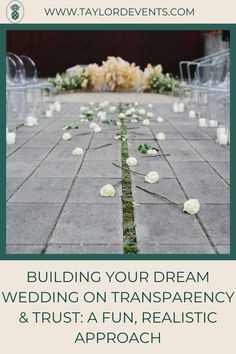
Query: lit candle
pixel 192 114
pixel 57 106
pixel 213 123
pixel 31 121
pixel 48 114
pixel 176 107
pixel 181 107
pixel 52 107
pixel 220 131
pixel 202 122
pixel 11 138
pixel 223 139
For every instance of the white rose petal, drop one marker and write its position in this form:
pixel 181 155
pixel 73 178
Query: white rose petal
pixel 107 191
pixel 150 115
pixel 84 108
pixel 102 115
pixel 142 112
pixel 146 122
pixel 93 125
pixel 152 177
pixel 66 136
pixel 78 152
pixel 31 121
pixel 131 161
pixel 152 152
pixel 97 129
pixel 112 109
pixel 161 136
pixel 160 119
pixel 191 206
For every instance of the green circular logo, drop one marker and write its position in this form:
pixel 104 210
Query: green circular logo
pixel 15 11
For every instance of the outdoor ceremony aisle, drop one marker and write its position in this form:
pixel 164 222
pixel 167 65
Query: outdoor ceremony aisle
pixel 54 205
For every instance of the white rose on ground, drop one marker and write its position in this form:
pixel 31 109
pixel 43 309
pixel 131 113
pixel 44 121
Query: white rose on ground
pixel 66 136
pixel 134 120
pixel 160 119
pixel 161 136
pixel 146 122
pixel 142 112
pixel 31 121
pixel 107 191
pixel 102 115
pixel 118 123
pixel 83 108
pixel 150 105
pixel 152 177
pixel 112 109
pixel 152 152
pixel 150 115
pixel 78 152
pixel 131 161
pixel 97 129
pixel 191 206
pixel 93 125
pixel 121 115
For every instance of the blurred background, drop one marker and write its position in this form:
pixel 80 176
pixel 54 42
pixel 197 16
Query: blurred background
pixel 55 51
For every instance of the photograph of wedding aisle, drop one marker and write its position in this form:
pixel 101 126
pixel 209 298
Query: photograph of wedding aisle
pixel 115 157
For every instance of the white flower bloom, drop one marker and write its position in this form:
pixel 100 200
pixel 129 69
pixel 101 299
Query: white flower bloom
pixel 152 152
pixel 93 125
pixel 102 115
pixel 84 108
pixel 150 105
pixel 160 119
pixel 118 123
pixel 136 104
pixel 152 177
pixel 191 206
pixel 146 122
pixel 121 115
pixel 66 136
pixel 131 161
pixel 91 103
pixel 117 137
pixel 161 136
pixel 112 109
pixel 134 120
pixel 82 116
pixel 97 129
pixel 104 104
pixel 107 191
pixel 65 127
pixel 31 121
pixel 142 112
pixel 150 115
pixel 78 151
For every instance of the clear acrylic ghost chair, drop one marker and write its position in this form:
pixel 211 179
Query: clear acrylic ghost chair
pixel 15 95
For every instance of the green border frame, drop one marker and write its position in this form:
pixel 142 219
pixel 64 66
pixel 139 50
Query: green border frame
pixel 92 27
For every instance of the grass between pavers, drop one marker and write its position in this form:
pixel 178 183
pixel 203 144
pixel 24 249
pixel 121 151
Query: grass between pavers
pixel 129 234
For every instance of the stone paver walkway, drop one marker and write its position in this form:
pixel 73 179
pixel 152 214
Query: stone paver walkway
pixel 53 197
